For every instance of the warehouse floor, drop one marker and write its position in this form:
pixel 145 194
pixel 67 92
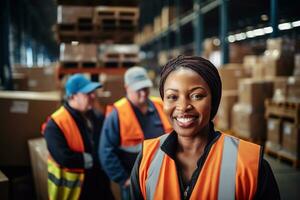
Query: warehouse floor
pixel 287 177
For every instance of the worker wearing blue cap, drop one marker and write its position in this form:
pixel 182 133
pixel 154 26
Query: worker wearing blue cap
pixel 72 136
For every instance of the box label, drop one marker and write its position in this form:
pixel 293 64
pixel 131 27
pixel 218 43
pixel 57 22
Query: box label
pixel 19 107
pixel 287 130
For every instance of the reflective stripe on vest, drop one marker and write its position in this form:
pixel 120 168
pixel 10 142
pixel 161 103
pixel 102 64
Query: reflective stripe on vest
pixel 131 133
pixel 66 183
pixel 228 169
pixel 152 176
pixel 229 172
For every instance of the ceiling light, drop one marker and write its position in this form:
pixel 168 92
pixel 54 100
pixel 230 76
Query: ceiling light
pixel 216 42
pixel 296 23
pixel 258 32
pixel 285 26
pixel 264 17
pixel 231 38
pixel 268 29
pixel 74 43
pixel 240 36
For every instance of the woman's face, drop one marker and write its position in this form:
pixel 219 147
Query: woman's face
pixel 187 102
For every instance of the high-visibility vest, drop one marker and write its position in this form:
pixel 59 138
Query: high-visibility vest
pixel 131 133
pixel 64 183
pixel 230 171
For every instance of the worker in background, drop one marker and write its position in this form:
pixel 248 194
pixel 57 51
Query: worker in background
pixel 72 135
pixel 195 161
pixel 134 118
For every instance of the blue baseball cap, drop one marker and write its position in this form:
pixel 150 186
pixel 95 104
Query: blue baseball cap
pixel 77 83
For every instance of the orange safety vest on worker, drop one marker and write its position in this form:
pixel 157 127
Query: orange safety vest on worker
pixel 229 172
pixel 65 183
pixel 131 133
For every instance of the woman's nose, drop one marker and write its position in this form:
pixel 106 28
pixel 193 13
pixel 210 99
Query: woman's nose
pixel 183 105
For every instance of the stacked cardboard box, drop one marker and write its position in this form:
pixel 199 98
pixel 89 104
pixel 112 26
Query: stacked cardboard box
pixel 273 133
pixel 278 59
pixel 248 113
pixel 230 75
pixel 223 120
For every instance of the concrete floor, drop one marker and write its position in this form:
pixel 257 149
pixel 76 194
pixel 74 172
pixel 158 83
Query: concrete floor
pixel 287 178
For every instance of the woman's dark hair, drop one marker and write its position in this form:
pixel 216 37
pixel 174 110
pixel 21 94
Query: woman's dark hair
pixel 201 66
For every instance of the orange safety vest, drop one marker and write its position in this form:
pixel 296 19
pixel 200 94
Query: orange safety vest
pixel 66 183
pixel 229 172
pixel 131 133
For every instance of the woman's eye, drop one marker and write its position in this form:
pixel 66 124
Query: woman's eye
pixel 171 97
pixel 197 96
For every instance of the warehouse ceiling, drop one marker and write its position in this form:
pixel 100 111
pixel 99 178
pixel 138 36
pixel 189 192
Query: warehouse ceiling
pixel 36 17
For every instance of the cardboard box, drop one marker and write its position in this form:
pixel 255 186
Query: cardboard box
pixel 38 156
pixel 280 89
pixel 237 51
pixel 248 124
pixel 113 90
pixel 168 14
pixel 250 61
pixel 74 14
pixel 293 85
pixel 223 119
pixel 290 138
pixel 4 186
pixel 274 132
pixel 297 65
pixel 22 114
pixel 230 74
pixel 39 78
pixel 258 71
pixel 254 92
pixel 274 66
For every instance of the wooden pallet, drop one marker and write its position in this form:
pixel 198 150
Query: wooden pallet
pixel 285 109
pixel 270 150
pixel 284 155
pixel 78 64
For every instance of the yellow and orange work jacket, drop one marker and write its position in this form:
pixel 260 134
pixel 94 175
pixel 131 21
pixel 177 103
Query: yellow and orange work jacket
pixel 131 133
pixel 229 172
pixel 65 183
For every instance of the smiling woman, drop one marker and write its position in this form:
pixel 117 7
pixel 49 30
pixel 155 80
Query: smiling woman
pixel 195 161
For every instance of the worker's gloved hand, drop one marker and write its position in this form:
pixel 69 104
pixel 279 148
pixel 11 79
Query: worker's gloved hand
pixel 88 160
